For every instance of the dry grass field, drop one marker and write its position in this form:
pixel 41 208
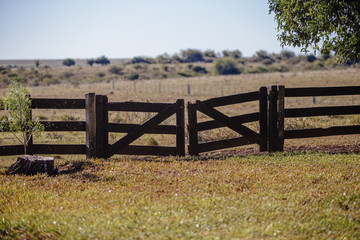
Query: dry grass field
pixel 239 193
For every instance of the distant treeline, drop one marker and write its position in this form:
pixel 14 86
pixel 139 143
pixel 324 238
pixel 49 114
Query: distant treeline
pixel 187 63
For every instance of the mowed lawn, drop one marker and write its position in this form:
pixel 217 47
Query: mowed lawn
pixel 294 195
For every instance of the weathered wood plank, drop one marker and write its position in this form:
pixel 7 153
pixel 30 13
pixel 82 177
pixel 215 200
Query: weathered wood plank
pixel 262 116
pixel 193 129
pixel 322 91
pixel 90 115
pixel 137 106
pixel 126 128
pixel 8 150
pixel 322 132
pixel 180 128
pixel 213 124
pixel 228 122
pixel 139 131
pixel 273 135
pixel 59 126
pixel 226 143
pixel 322 111
pixel 232 99
pixel 59 148
pixel 44 103
pixel 147 150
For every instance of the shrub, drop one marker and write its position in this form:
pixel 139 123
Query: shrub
pixel 192 55
pixel 258 69
pixel 225 66
pixel 151 142
pixel 90 61
pixel 199 69
pixel 142 60
pixel 131 76
pixel 267 61
pixel 210 53
pixel 117 70
pixel 100 74
pixel 68 62
pixel 233 54
pixel 281 68
pixel 310 58
pixel 287 54
pixel 102 60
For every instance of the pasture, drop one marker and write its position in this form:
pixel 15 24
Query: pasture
pixel 309 191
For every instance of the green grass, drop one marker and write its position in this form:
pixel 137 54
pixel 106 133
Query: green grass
pixel 302 195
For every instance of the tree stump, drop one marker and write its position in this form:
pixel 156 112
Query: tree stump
pixel 30 165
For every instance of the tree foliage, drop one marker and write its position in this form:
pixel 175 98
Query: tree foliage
pixel 192 55
pixel 102 60
pixel 225 66
pixel 18 105
pixel 324 25
pixel 68 62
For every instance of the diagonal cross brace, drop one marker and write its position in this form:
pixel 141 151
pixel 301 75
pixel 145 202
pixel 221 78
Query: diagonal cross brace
pixel 227 121
pixel 140 130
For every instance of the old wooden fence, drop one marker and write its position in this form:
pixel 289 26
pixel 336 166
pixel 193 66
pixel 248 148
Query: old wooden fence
pixel 278 113
pixel 97 128
pixel 270 116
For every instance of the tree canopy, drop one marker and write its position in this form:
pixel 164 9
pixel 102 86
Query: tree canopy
pixel 324 25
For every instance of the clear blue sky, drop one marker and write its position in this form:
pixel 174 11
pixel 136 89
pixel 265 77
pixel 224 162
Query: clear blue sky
pixel 57 29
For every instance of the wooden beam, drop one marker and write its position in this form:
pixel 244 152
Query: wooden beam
pixel 139 131
pixel 228 122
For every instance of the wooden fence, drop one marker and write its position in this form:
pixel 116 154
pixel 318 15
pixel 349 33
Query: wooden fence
pixel 234 123
pixel 278 113
pixel 97 128
pixel 270 135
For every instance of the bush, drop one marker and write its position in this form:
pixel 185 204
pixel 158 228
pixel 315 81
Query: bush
pixel 142 60
pixel 310 58
pixel 151 142
pixel 102 60
pixel 199 69
pixel 287 54
pixel 267 61
pixel 233 54
pixel 258 69
pixel 281 68
pixel 225 66
pixel 117 70
pixel 131 76
pixel 68 62
pixel 90 61
pixel 192 55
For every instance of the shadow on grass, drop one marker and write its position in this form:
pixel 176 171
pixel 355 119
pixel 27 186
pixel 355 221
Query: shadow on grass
pixel 73 167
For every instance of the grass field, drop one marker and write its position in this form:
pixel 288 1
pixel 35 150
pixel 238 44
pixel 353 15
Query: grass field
pixel 223 195
pixel 299 195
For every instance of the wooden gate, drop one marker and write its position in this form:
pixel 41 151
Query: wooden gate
pixel 152 125
pixel 235 123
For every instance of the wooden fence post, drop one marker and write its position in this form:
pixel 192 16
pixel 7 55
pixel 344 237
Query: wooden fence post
pixel 281 117
pixel 101 119
pixel 272 124
pixel 263 122
pixel 192 130
pixel 180 128
pixel 276 118
pixel 90 113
